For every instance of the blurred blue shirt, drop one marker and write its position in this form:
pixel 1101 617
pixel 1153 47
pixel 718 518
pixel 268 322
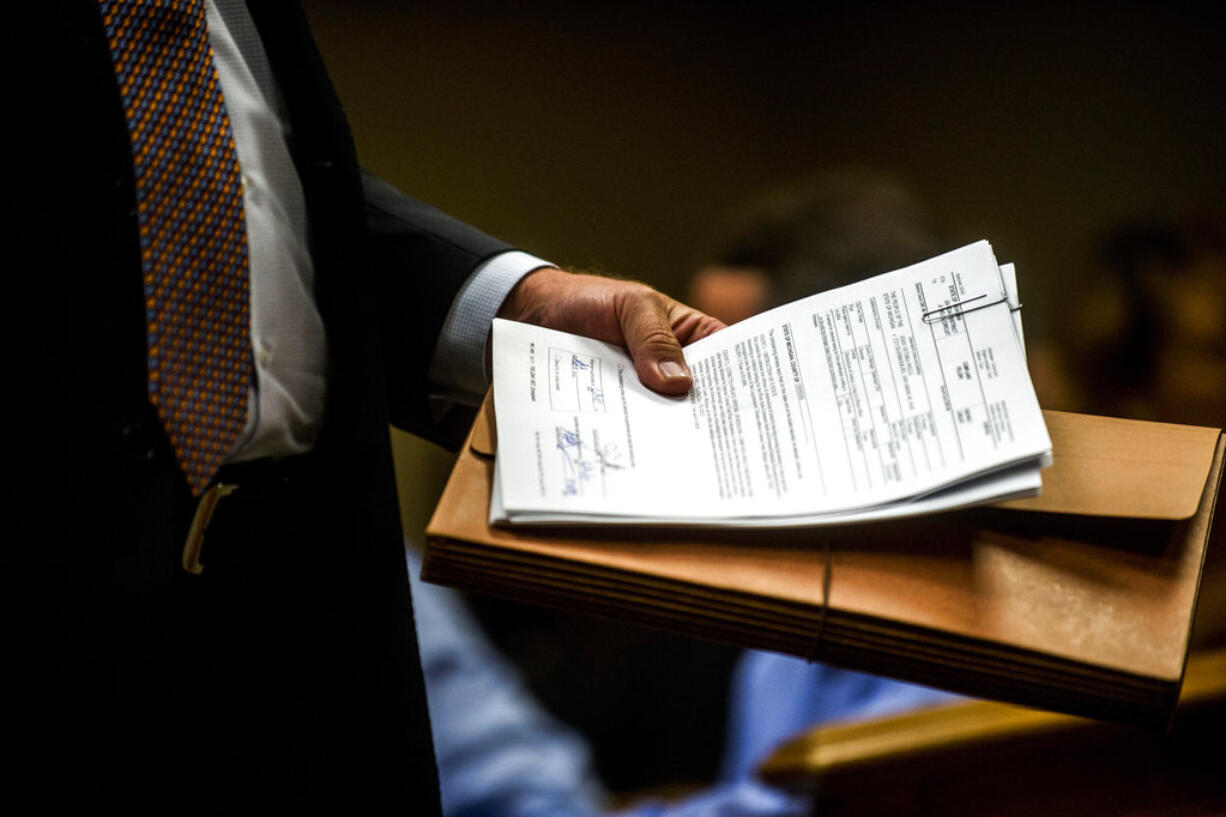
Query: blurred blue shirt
pixel 500 754
pixel 774 697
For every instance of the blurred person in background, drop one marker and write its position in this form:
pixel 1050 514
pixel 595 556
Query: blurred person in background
pixel 1143 337
pixel 833 228
pixel 818 233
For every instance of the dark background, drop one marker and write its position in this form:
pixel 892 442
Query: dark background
pixel 613 136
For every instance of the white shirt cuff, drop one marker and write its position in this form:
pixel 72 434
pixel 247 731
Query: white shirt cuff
pixel 457 371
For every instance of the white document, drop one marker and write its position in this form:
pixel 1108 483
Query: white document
pixel 905 393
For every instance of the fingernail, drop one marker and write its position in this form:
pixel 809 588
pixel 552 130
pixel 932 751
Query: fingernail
pixel 672 369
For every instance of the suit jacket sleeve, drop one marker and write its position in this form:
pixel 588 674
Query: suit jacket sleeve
pixel 422 257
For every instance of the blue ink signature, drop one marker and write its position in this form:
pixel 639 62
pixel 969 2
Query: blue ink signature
pixel 578 470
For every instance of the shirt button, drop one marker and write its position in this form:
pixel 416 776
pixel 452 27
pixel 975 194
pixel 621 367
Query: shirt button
pixel 263 353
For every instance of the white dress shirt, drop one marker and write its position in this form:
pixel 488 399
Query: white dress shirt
pixel 286 403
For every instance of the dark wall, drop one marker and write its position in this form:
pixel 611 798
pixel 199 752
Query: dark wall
pixel 612 135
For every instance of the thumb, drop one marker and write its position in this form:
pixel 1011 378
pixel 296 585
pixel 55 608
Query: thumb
pixel 646 324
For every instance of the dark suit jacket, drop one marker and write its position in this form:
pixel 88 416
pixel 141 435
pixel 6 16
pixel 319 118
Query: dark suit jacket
pixel 94 528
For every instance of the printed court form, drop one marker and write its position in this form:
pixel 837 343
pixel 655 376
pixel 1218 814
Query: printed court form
pixel 903 393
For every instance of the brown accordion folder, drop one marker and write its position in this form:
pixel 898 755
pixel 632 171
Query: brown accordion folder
pixel 1079 600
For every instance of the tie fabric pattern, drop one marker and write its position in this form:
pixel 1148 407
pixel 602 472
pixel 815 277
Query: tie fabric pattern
pixel 193 231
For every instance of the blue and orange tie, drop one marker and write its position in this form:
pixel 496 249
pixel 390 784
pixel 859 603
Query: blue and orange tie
pixel 193 233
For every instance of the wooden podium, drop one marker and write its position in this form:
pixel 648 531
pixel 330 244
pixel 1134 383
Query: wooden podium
pixel 1080 600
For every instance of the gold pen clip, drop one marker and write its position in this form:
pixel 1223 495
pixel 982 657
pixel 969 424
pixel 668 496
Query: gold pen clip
pixel 200 524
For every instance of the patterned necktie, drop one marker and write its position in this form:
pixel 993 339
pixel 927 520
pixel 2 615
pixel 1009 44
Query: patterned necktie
pixel 193 232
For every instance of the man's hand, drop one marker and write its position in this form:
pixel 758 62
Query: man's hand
pixel 652 326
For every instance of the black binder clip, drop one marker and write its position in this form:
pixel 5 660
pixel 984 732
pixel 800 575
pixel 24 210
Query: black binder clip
pixel 964 307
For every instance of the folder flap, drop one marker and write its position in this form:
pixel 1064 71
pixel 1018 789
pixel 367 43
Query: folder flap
pixel 484 437
pixel 1104 466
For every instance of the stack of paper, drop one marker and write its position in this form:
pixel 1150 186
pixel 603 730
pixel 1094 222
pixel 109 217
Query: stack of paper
pixel 903 394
